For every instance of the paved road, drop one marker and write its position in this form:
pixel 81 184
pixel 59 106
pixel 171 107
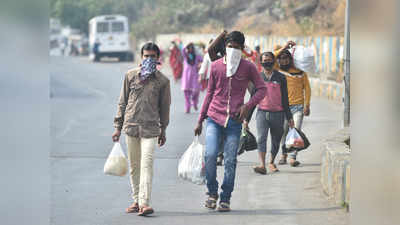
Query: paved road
pixel 83 104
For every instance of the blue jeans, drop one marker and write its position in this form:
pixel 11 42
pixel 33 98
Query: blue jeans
pixel 231 135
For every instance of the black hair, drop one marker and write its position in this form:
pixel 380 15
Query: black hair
pixel 267 54
pixel 235 36
pixel 284 52
pixel 150 46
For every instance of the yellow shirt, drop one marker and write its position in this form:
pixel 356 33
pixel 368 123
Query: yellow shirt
pixel 299 91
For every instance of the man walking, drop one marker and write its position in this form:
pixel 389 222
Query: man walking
pixel 223 105
pixel 299 93
pixel 143 114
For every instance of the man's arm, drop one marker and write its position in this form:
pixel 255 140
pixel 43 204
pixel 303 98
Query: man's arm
pixel 252 90
pixel 208 98
pixel 206 103
pixel 123 101
pixel 285 98
pixel 164 107
pixel 212 49
pixel 307 94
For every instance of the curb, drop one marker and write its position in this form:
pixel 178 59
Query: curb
pixel 329 89
pixel 335 167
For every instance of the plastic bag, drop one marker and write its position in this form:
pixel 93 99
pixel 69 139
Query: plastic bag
pixel 303 58
pixel 116 163
pixel 296 140
pixel 191 164
pixel 247 142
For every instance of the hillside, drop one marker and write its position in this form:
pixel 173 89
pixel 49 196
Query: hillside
pixel 264 17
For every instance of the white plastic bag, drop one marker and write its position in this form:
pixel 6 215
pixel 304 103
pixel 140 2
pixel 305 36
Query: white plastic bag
pixel 116 163
pixel 293 139
pixel 303 58
pixel 191 164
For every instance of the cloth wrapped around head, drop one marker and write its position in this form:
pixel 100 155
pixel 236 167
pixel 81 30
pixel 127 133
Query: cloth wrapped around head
pixel 149 66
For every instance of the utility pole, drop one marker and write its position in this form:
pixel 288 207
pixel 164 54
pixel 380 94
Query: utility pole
pixel 346 121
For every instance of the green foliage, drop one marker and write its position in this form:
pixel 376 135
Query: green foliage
pixel 77 13
pixel 307 25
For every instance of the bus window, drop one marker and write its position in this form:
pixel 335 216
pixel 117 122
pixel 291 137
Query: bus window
pixel 117 27
pixel 102 27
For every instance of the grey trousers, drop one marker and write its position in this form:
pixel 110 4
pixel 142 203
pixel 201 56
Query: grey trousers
pixel 273 122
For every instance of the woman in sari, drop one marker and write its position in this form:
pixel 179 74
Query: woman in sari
pixel 175 60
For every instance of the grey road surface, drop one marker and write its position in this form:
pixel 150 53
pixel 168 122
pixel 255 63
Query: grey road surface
pixel 83 103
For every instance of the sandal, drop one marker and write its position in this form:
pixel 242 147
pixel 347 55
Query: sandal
pixel 273 168
pixel 134 208
pixel 260 170
pixel 211 201
pixel 294 163
pixel 282 161
pixel 144 211
pixel 224 207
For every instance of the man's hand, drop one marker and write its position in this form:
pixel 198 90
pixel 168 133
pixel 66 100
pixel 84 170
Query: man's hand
pixel 197 130
pixel 306 111
pixel 245 124
pixel 290 44
pixel 162 139
pixel 115 136
pixel 244 111
pixel 291 123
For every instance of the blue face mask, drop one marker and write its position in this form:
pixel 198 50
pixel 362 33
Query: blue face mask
pixel 149 66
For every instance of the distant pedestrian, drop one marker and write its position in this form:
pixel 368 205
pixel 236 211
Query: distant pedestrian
pixel 225 110
pixel 190 77
pixel 143 114
pixel 205 69
pixel 176 61
pixel 299 93
pixel 271 113
pixel 96 47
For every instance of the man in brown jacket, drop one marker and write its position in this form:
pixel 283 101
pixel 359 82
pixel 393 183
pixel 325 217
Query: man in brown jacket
pixel 143 114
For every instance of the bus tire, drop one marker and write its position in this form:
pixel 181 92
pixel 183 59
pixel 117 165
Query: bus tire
pixel 129 57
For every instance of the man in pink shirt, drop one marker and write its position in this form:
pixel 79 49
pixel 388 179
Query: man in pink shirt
pixel 225 110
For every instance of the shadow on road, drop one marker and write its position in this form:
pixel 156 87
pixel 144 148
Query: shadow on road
pixel 245 212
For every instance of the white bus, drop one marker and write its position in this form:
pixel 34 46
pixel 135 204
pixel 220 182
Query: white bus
pixel 111 33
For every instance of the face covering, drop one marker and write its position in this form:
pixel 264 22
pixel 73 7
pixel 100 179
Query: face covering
pixel 233 57
pixel 149 66
pixel 285 67
pixel 267 65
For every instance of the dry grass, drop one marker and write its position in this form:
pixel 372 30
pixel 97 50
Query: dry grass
pixel 328 19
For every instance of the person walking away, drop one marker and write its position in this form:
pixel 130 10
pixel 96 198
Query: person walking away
pixel 224 106
pixel 143 114
pixel 205 70
pixel 190 77
pixel 271 113
pixel 299 93
pixel 256 58
pixel 175 61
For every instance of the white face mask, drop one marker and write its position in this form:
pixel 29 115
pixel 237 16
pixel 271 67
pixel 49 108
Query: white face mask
pixel 233 57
